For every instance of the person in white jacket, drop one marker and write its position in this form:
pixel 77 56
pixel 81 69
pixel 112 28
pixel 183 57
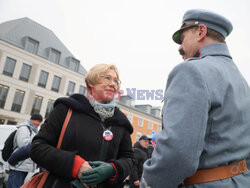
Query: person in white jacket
pixel 24 135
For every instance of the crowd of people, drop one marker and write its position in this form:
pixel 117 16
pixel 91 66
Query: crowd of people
pixel 205 139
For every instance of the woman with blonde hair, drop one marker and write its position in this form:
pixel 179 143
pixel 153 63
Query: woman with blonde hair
pixel 96 150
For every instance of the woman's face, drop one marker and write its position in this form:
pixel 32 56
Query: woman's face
pixel 107 87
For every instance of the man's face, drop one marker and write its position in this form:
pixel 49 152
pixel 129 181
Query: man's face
pixel 189 45
pixel 36 123
pixel 144 143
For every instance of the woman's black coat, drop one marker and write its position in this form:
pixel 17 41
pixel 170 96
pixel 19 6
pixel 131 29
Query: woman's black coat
pixel 84 137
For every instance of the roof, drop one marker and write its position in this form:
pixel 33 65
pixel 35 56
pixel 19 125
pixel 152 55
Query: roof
pixel 15 31
pixel 139 110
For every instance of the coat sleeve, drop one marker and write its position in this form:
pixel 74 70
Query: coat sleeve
pixel 180 143
pixel 20 154
pixel 124 161
pixel 43 149
pixel 138 159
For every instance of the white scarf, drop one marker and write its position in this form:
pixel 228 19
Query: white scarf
pixel 103 110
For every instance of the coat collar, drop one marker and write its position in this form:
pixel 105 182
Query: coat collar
pixel 215 49
pixel 80 103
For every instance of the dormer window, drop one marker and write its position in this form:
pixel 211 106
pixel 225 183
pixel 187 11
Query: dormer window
pixel 71 88
pixel 31 45
pixel 54 55
pixel 73 64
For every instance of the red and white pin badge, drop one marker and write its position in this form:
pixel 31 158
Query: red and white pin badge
pixel 107 135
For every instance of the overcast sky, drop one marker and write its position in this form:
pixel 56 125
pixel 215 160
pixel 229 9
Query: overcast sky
pixel 135 35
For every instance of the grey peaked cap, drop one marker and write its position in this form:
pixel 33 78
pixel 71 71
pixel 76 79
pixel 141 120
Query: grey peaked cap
pixel 212 20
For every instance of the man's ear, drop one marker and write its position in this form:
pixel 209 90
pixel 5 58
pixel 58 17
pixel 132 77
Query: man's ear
pixel 202 32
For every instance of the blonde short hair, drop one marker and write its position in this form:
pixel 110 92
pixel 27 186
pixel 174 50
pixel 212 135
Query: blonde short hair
pixel 93 76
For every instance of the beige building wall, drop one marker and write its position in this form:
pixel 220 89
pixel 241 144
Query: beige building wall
pixel 31 87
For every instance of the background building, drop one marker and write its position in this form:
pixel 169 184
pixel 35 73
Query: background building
pixel 144 118
pixel 35 69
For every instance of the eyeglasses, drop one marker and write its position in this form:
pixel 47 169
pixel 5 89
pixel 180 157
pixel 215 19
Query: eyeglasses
pixel 109 79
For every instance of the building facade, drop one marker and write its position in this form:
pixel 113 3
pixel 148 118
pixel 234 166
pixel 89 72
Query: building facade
pixel 144 118
pixel 35 69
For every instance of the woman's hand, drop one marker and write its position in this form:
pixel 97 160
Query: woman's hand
pixel 85 166
pixel 98 174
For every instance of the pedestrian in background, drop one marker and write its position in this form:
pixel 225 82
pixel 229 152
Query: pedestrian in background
pixel 205 141
pixel 141 155
pixel 151 145
pixel 96 149
pixel 24 135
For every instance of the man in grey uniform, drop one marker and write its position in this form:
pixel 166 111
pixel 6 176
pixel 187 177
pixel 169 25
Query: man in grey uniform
pixel 205 141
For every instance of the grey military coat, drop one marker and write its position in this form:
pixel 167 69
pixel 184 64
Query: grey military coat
pixel 206 122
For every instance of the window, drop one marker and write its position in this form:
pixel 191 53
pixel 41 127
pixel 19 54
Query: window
pixel 3 95
pixel 2 121
pixel 32 46
pixel 138 135
pixel 25 72
pixel 71 88
pixel 130 118
pixel 49 108
pixel 56 83
pixel 159 127
pixel 140 122
pixel 150 125
pixel 54 55
pixel 9 66
pixel 82 90
pixel 43 79
pixel 9 122
pixel 37 104
pixel 73 64
pixel 18 101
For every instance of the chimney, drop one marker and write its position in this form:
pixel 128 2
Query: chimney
pixel 126 100
pixel 156 111
pixel 144 107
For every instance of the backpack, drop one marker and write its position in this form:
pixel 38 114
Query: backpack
pixel 9 145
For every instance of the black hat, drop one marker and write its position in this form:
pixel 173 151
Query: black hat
pixel 212 20
pixel 144 138
pixel 37 117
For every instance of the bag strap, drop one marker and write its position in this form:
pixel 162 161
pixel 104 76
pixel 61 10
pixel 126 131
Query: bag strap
pixel 65 124
pixel 39 179
pixel 28 127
